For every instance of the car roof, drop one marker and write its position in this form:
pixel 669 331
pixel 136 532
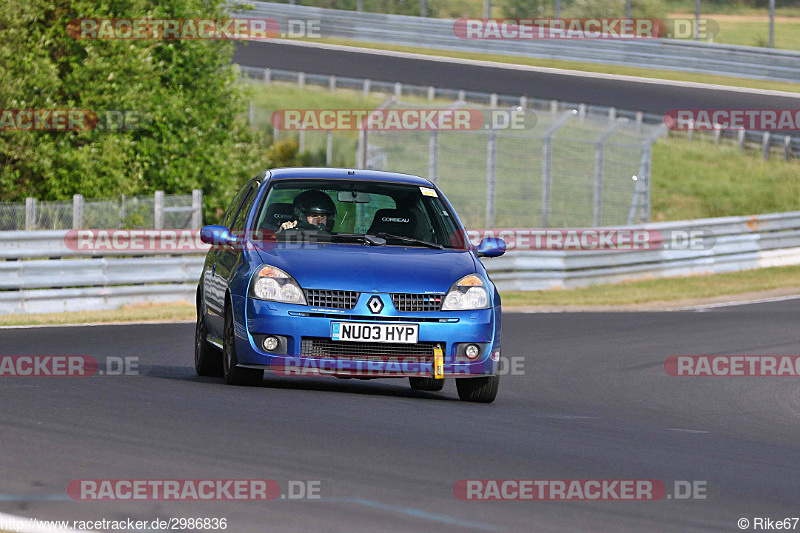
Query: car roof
pixel 346 174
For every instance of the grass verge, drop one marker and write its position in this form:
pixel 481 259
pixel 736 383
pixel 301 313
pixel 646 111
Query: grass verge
pixel 134 313
pixel 687 290
pixel 690 179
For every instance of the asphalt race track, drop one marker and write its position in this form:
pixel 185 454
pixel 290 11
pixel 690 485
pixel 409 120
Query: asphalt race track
pixel 594 403
pixel 633 95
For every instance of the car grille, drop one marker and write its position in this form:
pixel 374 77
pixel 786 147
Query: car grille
pixel 331 299
pixel 324 347
pixel 413 303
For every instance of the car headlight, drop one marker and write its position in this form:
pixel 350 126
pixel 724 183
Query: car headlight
pixel 270 283
pixel 467 293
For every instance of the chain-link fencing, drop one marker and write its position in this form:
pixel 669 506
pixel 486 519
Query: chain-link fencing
pixel 159 211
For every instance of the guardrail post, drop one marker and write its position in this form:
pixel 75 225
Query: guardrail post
pixel 197 208
pixel 612 114
pixel 765 145
pixel 332 84
pixel 742 137
pixel 365 90
pixel 431 93
pixel 491 178
pixel 553 107
pixel 267 76
pixel 523 102
pixel 398 89
pixel 77 211
pixel 301 80
pixel 493 100
pixel 581 111
pixel 158 210
pixel 328 148
pixel 787 147
pixel 690 132
pixel 30 214
pixel 462 96
pixel 639 120
pixel 433 156
pixel 717 133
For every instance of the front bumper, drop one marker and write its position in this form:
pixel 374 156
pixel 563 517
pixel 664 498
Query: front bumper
pixel 305 336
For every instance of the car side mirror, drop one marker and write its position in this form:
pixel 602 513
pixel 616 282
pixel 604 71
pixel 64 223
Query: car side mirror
pixel 217 235
pixel 491 247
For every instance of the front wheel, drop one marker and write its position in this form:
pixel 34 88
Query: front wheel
pixel 481 390
pixel 207 359
pixel 233 374
pixel 426 384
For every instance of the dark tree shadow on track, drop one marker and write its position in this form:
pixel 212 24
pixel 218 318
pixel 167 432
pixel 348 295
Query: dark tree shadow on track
pixel 307 383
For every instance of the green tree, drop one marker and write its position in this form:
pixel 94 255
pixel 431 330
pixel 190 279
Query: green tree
pixel 194 135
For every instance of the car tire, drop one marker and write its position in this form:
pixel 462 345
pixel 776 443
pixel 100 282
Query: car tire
pixel 481 390
pixel 207 358
pixel 233 374
pixel 426 384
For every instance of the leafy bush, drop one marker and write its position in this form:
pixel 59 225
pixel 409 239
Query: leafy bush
pixel 194 135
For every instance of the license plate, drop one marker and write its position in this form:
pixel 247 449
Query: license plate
pixel 360 332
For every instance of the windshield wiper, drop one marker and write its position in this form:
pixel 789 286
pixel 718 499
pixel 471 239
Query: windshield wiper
pixel 368 239
pixel 410 240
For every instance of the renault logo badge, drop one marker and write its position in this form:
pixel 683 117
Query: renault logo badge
pixel 375 304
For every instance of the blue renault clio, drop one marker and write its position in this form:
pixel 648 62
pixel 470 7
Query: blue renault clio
pixel 347 273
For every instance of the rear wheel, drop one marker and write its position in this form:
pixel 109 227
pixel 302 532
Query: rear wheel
pixel 426 384
pixel 233 374
pixel 481 390
pixel 207 359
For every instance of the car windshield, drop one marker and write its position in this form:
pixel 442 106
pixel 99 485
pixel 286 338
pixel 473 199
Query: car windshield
pixel 357 212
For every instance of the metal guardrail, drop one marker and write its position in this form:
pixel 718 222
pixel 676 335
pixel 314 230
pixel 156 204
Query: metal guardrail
pixel 739 243
pixel 670 54
pixel 61 284
pixel 41 273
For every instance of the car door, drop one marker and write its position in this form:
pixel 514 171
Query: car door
pixel 213 285
pixel 229 259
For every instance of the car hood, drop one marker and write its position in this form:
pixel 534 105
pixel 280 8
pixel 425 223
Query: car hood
pixel 371 268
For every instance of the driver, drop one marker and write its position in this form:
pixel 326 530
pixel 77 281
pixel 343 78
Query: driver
pixel 313 211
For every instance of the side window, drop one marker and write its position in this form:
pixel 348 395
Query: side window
pixel 231 212
pixel 241 217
